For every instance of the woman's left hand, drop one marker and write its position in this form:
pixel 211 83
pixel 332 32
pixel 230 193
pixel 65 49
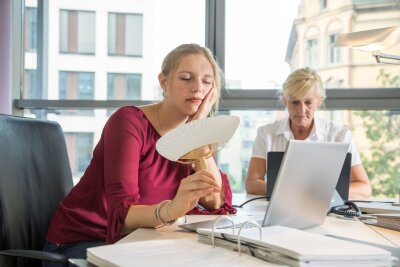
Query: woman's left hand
pixel 207 104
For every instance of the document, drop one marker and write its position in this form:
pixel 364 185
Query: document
pixel 169 253
pixel 389 220
pixel 294 247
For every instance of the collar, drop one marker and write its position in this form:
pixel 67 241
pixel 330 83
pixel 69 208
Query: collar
pixel 284 129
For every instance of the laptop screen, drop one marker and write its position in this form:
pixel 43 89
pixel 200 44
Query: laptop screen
pixel 274 160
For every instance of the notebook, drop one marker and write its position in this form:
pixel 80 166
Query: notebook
pixel 274 160
pixel 304 188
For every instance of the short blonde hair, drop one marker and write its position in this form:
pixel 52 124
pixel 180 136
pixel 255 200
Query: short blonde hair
pixel 302 82
pixel 173 58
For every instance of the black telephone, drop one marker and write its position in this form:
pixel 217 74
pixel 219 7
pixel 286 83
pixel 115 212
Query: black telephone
pixel 348 209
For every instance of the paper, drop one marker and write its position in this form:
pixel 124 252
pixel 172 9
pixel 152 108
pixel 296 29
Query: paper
pixel 169 253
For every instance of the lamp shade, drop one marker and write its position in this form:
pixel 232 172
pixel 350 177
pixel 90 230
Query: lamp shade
pixel 371 40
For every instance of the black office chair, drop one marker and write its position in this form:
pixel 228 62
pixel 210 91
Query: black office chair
pixel 34 176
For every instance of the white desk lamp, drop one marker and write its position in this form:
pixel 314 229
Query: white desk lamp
pixel 373 41
pixel 195 141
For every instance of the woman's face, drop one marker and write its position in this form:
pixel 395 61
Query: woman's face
pixel 301 111
pixel 189 84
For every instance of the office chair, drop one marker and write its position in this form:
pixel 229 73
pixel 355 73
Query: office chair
pixel 34 176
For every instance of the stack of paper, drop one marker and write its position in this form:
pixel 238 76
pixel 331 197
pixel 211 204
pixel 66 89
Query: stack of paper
pixel 294 247
pixel 169 253
pixel 390 221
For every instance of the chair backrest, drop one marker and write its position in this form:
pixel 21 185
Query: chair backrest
pixel 35 175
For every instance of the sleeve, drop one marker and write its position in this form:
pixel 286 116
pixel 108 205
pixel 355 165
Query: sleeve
pixel 226 208
pixel 260 145
pixel 122 148
pixel 347 137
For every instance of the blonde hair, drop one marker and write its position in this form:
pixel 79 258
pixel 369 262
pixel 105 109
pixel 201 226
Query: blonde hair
pixel 173 58
pixel 302 82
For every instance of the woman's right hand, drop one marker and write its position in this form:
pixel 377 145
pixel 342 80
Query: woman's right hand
pixel 191 189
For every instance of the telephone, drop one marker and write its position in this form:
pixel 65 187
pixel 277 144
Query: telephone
pixel 346 208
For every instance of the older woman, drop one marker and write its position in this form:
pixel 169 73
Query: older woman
pixel 302 94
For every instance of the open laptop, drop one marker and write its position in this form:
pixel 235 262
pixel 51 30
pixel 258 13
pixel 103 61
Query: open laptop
pixel 274 160
pixel 304 187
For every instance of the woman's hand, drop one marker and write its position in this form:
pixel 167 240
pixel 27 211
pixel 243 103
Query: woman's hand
pixel 207 104
pixel 191 189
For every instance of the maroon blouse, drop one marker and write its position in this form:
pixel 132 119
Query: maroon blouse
pixel 125 170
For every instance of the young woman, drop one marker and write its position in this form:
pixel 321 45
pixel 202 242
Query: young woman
pixel 302 94
pixel 128 184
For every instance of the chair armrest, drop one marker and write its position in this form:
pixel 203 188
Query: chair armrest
pixel 36 254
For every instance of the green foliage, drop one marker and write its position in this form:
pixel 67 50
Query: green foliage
pixel 382 128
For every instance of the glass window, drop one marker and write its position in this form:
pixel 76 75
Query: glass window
pixel 374 132
pixel 311 53
pixel 333 52
pixel 323 4
pixel 77 32
pixel 80 147
pixel 256 40
pixel 124 86
pixel 125 34
pixel 31 89
pixel 30 28
pixel 76 85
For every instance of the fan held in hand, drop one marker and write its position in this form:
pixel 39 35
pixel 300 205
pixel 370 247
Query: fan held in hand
pixel 197 140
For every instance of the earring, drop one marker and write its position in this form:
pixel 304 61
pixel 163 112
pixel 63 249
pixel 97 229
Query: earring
pixel 164 93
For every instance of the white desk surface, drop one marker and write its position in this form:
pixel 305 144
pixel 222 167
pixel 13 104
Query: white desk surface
pixel 333 225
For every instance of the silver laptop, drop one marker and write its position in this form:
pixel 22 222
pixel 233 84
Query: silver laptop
pixel 304 188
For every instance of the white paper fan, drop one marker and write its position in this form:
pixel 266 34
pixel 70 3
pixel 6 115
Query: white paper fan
pixel 197 133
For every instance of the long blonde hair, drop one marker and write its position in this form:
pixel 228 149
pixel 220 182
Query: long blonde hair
pixel 173 58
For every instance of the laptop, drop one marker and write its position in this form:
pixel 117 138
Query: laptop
pixel 303 189
pixel 274 160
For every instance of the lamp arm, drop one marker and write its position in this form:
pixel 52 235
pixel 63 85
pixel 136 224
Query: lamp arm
pixel 378 56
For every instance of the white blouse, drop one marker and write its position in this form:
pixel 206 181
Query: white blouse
pixel 275 136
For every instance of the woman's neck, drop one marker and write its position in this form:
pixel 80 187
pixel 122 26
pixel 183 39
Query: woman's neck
pixel 301 133
pixel 169 118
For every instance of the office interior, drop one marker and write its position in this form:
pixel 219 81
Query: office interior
pixel 75 62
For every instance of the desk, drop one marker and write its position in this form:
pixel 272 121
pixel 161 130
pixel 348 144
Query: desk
pixel 333 225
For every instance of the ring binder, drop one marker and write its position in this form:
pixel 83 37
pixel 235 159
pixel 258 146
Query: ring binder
pixel 242 226
pixel 215 223
pixel 240 230
pixel 293 247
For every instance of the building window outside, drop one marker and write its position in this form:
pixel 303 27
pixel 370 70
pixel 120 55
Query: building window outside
pixel 76 85
pixel 323 4
pixel 311 53
pixel 77 32
pixel 125 34
pixel 333 52
pixel 80 147
pixel 30 29
pixel 30 85
pixel 124 86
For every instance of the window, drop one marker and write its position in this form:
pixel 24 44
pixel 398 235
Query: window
pixel 77 32
pixel 31 28
pixel 125 34
pixel 311 53
pixel 323 4
pixel 80 147
pixel 124 86
pixel 76 85
pixel 259 60
pixel 333 52
pixel 31 88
